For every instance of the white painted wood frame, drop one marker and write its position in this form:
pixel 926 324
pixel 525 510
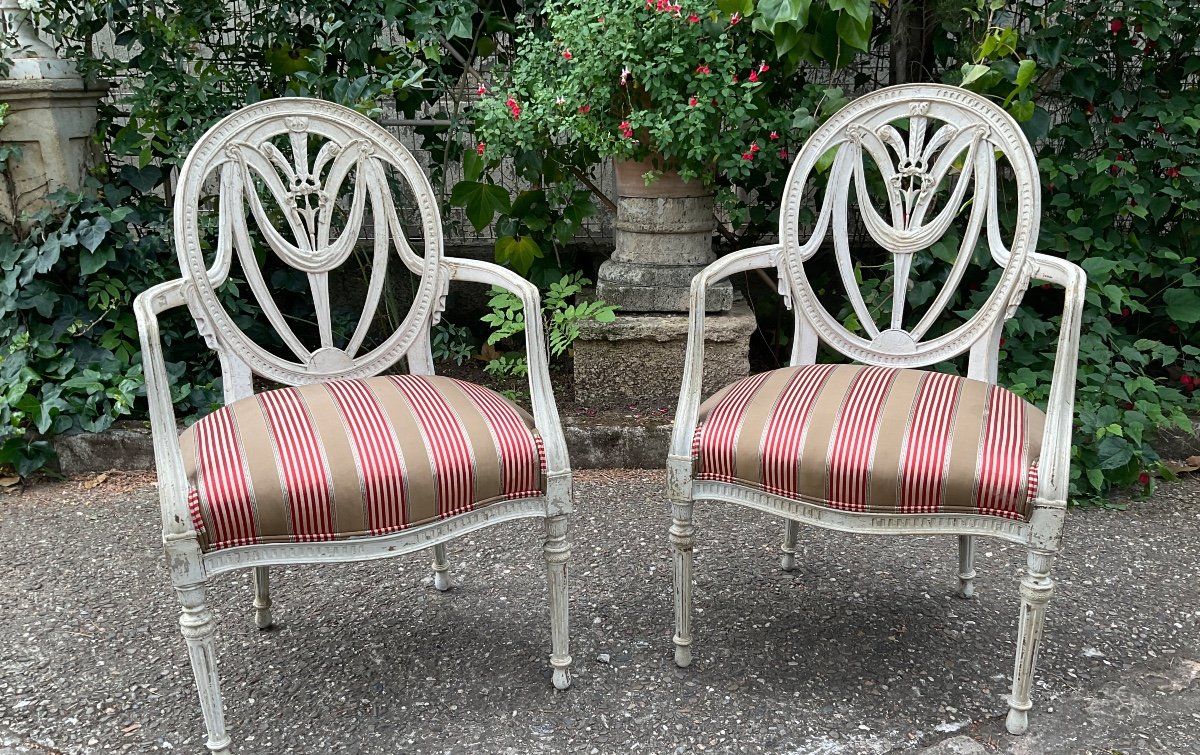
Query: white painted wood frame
pixel 952 135
pixel 240 150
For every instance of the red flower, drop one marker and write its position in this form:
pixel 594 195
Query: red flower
pixel 1124 311
pixel 513 107
pixel 754 147
pixel 585 108
pixel 692 102
pixel 774 135
pixel 733 20
pixel 1144 479
pixel 1172 172
pixel 482 90
pixel 1116 25
pixel 1090 109
pixel 702 68
pixel 783 154
pixel 1159 129
pixel 479 148
pixel 566 55
pixel 747 155
pixel 1118 119
pixel 763 67
pixel 1172 329
pixel 734 78
pixel 753 76
pixel 1187 380
pixel 626 129
pixel 693 19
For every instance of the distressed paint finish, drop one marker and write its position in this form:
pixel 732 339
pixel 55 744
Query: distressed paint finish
pixel 232 155
pixel 953 137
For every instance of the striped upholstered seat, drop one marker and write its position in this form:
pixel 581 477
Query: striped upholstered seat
pixel 874 439
pixel 352 458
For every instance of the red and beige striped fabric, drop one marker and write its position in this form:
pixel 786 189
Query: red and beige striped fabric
pixel 874 439
pixel 355 458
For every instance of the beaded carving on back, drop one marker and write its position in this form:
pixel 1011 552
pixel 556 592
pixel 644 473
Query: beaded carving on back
pixel 914 162
pixel 307 184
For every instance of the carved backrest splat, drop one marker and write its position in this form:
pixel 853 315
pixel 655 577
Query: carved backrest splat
pixel 925 146
pixel 339 171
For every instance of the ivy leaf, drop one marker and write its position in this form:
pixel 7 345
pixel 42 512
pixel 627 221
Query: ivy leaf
pixel 481 201
pixel 518 252
pixel 1183 305
pixel 854 32
pixel 784 12
pixel 971 72
pixel 91 233
pixel 859 10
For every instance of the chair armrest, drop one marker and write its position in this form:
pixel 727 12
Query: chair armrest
pixel 1054 470
pixel 541 393
pixel 693 364
pixel 172 483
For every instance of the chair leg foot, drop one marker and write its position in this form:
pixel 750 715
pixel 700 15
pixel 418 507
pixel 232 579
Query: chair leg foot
pixel 557 553
pixel 262 597
pixel 1017 722
pixel 198 627
pixel 791 531
pixel 1036 589
pixel 683 654
pixel 441 568
pixel 682 541
pixel 966 566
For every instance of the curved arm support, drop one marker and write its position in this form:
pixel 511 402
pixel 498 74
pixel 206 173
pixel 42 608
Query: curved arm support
pixel 1054 470
pixel 693 365
pixel 541 393
pixel 172 484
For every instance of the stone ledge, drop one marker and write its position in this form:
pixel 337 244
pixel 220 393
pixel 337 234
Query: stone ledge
pixel 603 441
pixel 610 440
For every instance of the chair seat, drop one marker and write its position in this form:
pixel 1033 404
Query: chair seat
pixel 355 458
pixel 874 439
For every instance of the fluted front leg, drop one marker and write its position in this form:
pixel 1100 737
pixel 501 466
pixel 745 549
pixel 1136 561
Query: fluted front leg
pixel 198 627
pixel 791 532
pixel 966 566
pixel 441 568
pixel 1036 589
pixel 262 597
pixel 682 539
pixel 557 552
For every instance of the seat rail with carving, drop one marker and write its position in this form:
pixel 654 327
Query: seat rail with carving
pixel 337 465
pixel 890 447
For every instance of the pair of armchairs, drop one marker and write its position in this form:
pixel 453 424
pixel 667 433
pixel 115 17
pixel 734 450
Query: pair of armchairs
pixel 347 463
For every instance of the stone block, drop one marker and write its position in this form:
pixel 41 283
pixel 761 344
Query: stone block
pixel 639 357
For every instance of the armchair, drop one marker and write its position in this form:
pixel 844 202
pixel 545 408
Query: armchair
pixel 342 463
pixel 885 446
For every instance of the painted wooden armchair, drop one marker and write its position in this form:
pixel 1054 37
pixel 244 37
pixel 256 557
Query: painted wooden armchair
pixel 343 463
pixel 885 446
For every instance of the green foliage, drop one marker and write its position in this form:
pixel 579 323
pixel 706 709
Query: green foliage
pixel 70 359
pixel 722 91
pixel 69 356
pixel 452 343
pixel 1111 88
pixel 560 313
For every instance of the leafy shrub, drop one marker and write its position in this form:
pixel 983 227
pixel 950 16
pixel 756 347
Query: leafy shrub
pixel 1116 111
pixel 452 343
pixel 561 317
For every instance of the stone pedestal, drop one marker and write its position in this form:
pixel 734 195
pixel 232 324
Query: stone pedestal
pixel 51 117
pixel 638 358
pixel 663 236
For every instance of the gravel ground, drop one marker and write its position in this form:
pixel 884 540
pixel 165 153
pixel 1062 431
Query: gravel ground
pixel 862 649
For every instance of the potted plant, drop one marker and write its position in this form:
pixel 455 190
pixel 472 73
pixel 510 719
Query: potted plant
pixel 686 99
